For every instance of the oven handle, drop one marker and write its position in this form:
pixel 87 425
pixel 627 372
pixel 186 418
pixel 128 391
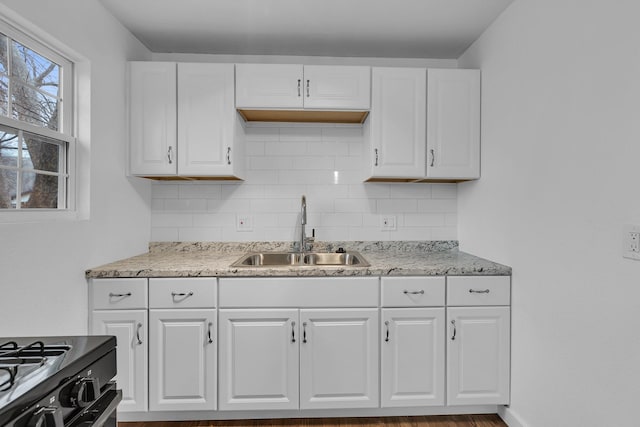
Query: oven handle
pixel 112 396
pixel 109 410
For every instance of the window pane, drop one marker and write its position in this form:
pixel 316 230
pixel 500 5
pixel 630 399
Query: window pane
pixel 34 107
pixel 34 69
pixel 3 53
pixel 8 180
pixel 8 147
pixel 40 153
pixel 39 191
pixel 4 95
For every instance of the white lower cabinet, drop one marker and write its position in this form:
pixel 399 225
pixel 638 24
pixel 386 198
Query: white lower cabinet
pixel 280 352
pixel 258 359
pixel 478 355
pixel 306 343
pixel 339 358
pixel 130 329
pixel 119 308
pixel 182 363
pixel 478 340
pixel 413 360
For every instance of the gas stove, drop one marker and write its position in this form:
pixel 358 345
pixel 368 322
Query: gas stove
pixel 58 381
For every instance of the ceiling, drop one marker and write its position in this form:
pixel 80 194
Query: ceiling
pixel 357 28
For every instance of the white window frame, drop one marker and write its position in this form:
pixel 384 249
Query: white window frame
pixel 23 32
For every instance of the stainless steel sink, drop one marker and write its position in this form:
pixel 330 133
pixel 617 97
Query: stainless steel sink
pixel 296 259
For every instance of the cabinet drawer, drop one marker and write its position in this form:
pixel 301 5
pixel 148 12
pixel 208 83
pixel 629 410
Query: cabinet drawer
pixel 478 290
pixel 299 292
pixel 120 294
pixel 183 292
pixel 412 291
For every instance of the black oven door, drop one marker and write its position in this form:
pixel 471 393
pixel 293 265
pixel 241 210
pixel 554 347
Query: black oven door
pixel 102 412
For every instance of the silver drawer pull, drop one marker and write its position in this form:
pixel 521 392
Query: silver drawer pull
pixel 475 291
pixel 138 327
pixel 209 339
pixel 181 294
pixel 386 324
pixel 293 327
pixel 112 295
pixel 406 292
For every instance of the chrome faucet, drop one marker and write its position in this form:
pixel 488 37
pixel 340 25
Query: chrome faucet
pixel 303 222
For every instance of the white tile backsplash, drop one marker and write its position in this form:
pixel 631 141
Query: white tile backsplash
pixel 323 162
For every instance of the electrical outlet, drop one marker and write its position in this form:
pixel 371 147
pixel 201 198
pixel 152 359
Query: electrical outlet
pixel 244 223
pixel 388 222
pixel 631 241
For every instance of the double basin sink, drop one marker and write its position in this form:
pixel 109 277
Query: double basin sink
pixel 297 259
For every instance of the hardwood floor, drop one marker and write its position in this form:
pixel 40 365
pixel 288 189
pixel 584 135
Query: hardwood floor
pixel 432 421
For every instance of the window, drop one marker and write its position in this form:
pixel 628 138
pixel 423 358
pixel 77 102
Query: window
pixel 36 135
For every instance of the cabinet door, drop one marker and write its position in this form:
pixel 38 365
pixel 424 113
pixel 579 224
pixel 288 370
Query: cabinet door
pixel 395 130
pixel 412 357
pixel 453 124
pixel 206 119
pixel 130 330
pixel 339 358
pixel 478 355
pixel 258 359
pixel 182 366
pixel 152 121
pixel 269 86
pixel 337 87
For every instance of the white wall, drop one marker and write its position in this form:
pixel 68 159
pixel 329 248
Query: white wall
pixel 560 176
pixel 283 163
pixel 42 286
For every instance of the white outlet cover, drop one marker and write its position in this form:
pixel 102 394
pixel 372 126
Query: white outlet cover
pixel 630 241
pixel 244 223
pixel 388 223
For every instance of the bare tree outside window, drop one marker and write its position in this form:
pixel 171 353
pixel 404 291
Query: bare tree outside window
pixel 31 166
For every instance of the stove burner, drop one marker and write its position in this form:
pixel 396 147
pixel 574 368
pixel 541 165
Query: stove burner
pixel 35 354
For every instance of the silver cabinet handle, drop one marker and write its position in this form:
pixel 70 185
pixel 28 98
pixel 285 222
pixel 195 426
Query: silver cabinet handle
pixel 181 294
pixel 209 339
pixel 386 338
pixel 228 155
pixel 299 87
pixel 453 337
pixel 406 292
pixel 376 150
pixel 112 295
pixel 307 88
pixel 475 291
pixel 139 326
pixel 304 332
pixel 433 157
pixel 170 154
pixel 293 327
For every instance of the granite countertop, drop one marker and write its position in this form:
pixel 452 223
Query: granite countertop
pixel 389 258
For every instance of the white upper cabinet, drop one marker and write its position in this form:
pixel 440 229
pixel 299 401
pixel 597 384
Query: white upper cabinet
pixel 152 120
pixel 395 131
pixel 183 121
pixel 424 125
pixel 207 121
pixel 453 124
pixel 269 86
pixel 337 87
pixel 322 87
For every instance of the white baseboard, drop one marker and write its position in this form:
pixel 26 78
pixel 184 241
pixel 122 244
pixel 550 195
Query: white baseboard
pixel 509 417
